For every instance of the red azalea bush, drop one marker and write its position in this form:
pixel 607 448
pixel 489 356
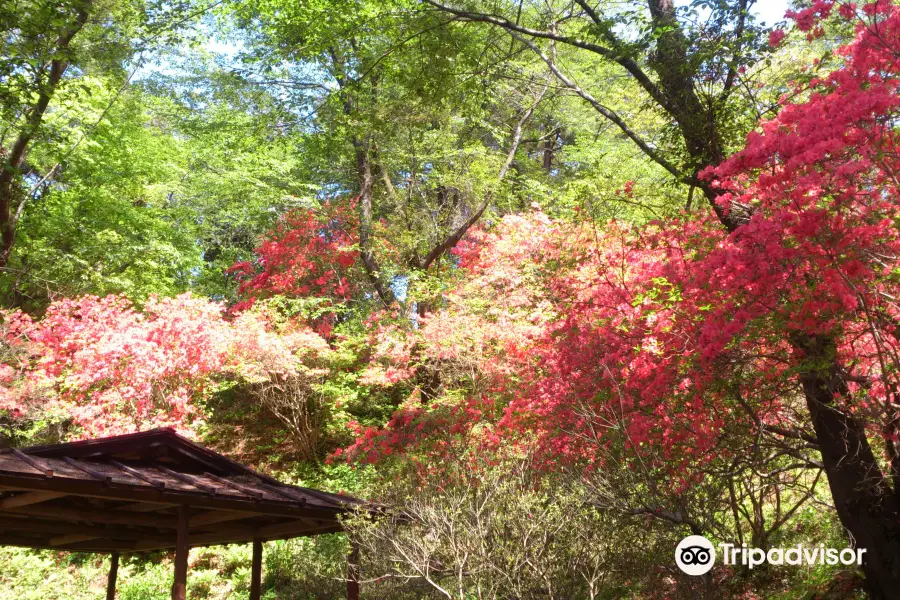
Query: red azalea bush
pixel 310 253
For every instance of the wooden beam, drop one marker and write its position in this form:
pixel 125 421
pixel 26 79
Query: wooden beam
pixel 179 588
pixel 238 534
pixel 235 485
pixel 281 492
pixel 34 463
pixel 25 525
pixel 118 534
pixel 138 475
pixel 235 535
pixel 84 468
pixel 111 517
pixel 71 538
pixel 291 527
pixel 64 533
pixel 256 570
pixel 28 498
pixel 197 457
pixel 221 516
pixel 99 547
pixel 113 573
pixel 145 506
pixel 185 478
pixel 88 546
pixel 134 493
pixel 241 535
pixel 20 525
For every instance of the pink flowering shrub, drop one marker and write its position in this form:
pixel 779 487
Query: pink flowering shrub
pixel 113 368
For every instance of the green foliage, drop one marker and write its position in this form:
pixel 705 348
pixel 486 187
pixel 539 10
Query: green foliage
pixel 45 575
pixel 108 225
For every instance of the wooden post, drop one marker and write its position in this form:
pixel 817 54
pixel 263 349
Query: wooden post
pixel 113 573
pixel 256 571
pixel 353 572
pixel 179 588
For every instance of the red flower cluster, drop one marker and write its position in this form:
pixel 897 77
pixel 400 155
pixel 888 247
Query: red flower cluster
pixel 310 253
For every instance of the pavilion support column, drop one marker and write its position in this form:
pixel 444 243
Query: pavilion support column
pixel 179 588
pixel 113 574
pixel 353 572
pixel 256 571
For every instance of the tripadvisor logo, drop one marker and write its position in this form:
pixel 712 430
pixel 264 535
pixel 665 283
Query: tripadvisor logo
pixel 695 555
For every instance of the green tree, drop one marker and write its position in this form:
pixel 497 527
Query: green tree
pixel 110 221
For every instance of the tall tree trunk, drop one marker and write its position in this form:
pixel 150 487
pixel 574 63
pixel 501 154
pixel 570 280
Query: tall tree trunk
pixel 865 502
pixel 697 120
pixel 363 150
pixel 366 253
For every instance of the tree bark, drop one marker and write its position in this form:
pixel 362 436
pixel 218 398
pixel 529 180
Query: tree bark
pixel 697 121
pixel 865 502
pixel 366 253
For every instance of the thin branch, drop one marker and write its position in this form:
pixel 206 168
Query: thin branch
pixel 453 239
pixel 608 113
pixel 628 64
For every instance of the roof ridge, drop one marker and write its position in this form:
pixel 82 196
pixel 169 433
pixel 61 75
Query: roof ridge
pixel 157 431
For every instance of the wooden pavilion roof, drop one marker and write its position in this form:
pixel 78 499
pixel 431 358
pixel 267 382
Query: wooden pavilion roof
pixel 123 494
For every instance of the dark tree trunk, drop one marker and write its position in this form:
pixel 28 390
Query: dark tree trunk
pixel 697 120
pixel 549 149
pixel 363 150
pixel 865 502
pixel 366 253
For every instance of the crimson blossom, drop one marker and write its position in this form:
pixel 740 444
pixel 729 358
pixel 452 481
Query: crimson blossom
pixel 309 253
